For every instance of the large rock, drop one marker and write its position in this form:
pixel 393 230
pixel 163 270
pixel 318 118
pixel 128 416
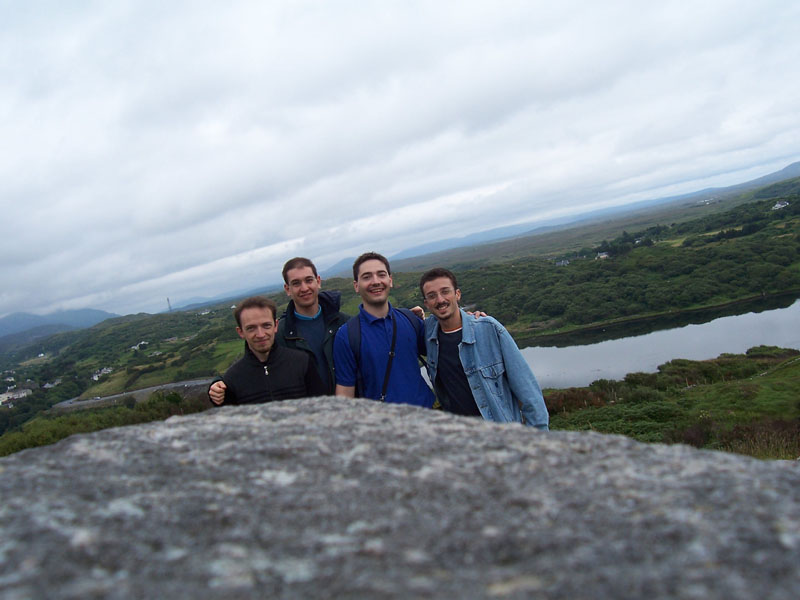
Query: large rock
pixel 326 498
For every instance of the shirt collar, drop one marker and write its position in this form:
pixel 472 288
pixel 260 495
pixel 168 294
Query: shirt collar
pixel 305 318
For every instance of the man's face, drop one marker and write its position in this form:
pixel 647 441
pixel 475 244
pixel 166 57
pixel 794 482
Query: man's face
pixel 441 298
pixel 258 329
pixel 373 283
pixel 303 286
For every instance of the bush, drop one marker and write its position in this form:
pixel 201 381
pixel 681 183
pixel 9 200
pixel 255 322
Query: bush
pixel 561 401
pixel 764 439
pixel 771 352
pixel 48 430
pixel 697 434
pixel 641 395
pixel 639 379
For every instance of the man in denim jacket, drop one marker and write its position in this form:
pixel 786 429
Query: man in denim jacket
pixel 474 364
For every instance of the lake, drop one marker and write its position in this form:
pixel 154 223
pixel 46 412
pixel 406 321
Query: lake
pixel 579 365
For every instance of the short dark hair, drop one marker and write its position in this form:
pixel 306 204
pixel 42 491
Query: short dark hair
pixel 369 256
pixel 436 273
pixel 296 263
pixel 254 302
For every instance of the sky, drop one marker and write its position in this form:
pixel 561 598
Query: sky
pixel 183 149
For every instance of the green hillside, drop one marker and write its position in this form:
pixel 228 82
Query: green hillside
pixel 749 404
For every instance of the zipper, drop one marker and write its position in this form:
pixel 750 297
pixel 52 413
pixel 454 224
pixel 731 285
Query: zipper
pixel 269 387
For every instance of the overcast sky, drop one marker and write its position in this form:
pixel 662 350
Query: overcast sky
pixel 181 149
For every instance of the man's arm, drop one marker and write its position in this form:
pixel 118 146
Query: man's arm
pixel 345 364
pixel 523 382
pixel 420 312
pixel 347 391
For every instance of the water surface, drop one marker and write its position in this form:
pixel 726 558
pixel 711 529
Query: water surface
pixel 581 364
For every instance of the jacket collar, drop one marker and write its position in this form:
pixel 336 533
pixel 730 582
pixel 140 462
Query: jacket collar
pixel 329 301
pixel 467 327
pixel 250 355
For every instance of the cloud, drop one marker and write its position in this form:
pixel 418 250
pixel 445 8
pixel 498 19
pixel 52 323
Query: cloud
pixel 182 149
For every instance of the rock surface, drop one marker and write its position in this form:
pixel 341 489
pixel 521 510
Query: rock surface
pixel 328 498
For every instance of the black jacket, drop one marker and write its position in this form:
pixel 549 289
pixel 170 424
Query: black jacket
pixel 290 338
pixel 286 374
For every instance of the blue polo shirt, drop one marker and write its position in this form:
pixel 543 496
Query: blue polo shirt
pixel 406 384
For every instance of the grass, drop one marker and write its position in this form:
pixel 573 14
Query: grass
pixel 767 440
pixel 48 429
pixel 225 353
pixel 749 404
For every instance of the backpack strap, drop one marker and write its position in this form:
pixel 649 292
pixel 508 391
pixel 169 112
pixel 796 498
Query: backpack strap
pixel 354 337
pixel 354 330
pixel 418 324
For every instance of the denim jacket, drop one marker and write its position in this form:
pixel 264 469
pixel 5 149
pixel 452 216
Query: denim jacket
pixel 503 385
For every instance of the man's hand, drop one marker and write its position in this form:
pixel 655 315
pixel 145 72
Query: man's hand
pixel 477 314
pixel 216 393
pixel 419 311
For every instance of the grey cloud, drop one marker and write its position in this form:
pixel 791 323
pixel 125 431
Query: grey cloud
pixel 184 149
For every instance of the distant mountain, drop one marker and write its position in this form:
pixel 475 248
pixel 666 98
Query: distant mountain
pixel 786 187
pixel 343 268
pixel 22 338
pixel 67 319
pixel 788 172
pixel 203 302
pixel 490 235
pixel 536 227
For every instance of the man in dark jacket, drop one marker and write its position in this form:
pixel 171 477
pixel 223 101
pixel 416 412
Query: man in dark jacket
pixel 266 372
pixel 312 317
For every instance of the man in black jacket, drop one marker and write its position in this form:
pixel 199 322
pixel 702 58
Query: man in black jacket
pixel 312 317
pixel 267 372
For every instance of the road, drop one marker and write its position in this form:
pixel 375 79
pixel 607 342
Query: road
pixel 193 386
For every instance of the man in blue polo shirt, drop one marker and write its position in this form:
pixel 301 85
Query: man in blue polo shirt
pixel 398 380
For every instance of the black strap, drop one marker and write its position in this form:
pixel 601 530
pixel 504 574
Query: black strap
pixel 354 331
pixel 354 337
pixel 391 358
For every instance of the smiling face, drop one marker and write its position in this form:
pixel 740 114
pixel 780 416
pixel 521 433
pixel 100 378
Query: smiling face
pixel 373 283
pixel 258 327
pixel 303 287
pixel 441 298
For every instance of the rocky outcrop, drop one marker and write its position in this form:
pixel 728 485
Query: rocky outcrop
pixel 328 498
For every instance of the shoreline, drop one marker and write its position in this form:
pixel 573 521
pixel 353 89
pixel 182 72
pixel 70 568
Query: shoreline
pixel 669 319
